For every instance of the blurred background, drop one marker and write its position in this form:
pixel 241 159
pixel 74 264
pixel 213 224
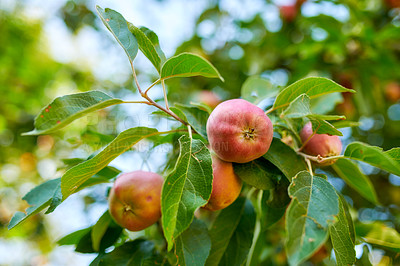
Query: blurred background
pixel 52 48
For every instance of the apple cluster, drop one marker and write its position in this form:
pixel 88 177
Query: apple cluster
pixel 238 132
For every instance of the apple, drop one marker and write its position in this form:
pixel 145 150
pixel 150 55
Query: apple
pixel 226 185
pixel 135 200
pixel 393 3
pixel 323 145
pixel 239 131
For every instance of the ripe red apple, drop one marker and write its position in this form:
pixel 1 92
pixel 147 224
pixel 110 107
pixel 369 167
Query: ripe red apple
pixel 226 185
pixel 393 3
pixel 134 200
pixel 239 131
pixel 323 145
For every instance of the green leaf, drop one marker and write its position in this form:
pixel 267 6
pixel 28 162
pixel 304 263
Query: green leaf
pixel 38 198
pixel 374 156
pixel 147 46
pixel 193 245
pixel 186 188
pixel 342 124
pixel 314 207
pixel 394 153
pixel 259 173
pixel 138 252
pixel 99 229
pixel 343 236
pixel 118 26
pixel 380 234
pixel 80 173
pixel 313 87
pixel 285 158
pixel 299 107
pixel 188 65
pixel 274 203
pixel 111 235
pixel 322 127
pixel 154 39
pixel 326 103
pixel 241 240
pixel 196 117
pixel 349 172
pixel 225 231
pixel 74 237
pixel 65 109
pixel 255 89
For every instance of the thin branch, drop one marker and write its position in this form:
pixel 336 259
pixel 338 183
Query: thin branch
pixel 319 158
pixel 145 102
pixel 151 86
pixel 136 80
pixel 309 167
pixel 165 94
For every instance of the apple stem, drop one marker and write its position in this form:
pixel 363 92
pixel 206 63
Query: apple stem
pixel 309 167
pixel 308 139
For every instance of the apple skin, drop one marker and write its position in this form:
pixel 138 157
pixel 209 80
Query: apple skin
pixel 135 200
pixel 226 185
pixel 288 12
pixel 320 144
pixel 392 92
pixel 239 131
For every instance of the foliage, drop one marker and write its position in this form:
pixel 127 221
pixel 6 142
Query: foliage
pixel 284 194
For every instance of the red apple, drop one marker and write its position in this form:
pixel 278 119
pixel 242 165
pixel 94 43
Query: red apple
pixel 323 145
pixel 134 200
pixel 239 131
pixel 226 185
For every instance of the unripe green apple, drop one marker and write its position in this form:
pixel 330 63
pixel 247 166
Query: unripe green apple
pixel 239 131
pixel 134 200
pixel 323 145
pixel 226 185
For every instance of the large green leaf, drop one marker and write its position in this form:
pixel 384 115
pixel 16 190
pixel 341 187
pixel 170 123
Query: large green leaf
pixel 375 156
pixel 38 198
pixel 343 235
pixel 394 153
pixel 299 107
pixel 314 207
pixel 193 245
pixel 326 103
pixel 350 173
pixel 80 173
pixel 99 229
pixel 313 87
pixel 321 126
pixel 186 188
pixel 154 39
pixel 188 65
pixel 259 173
pixel 274 203
pixel 241 240
pixel 65 109
pixel 83 239
pixel 134 253
pixel 255 89
pixel 229 227
pixel 147 46
pixel 196 117
pixel 118 26
pixel 285 158
pixel 380 234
